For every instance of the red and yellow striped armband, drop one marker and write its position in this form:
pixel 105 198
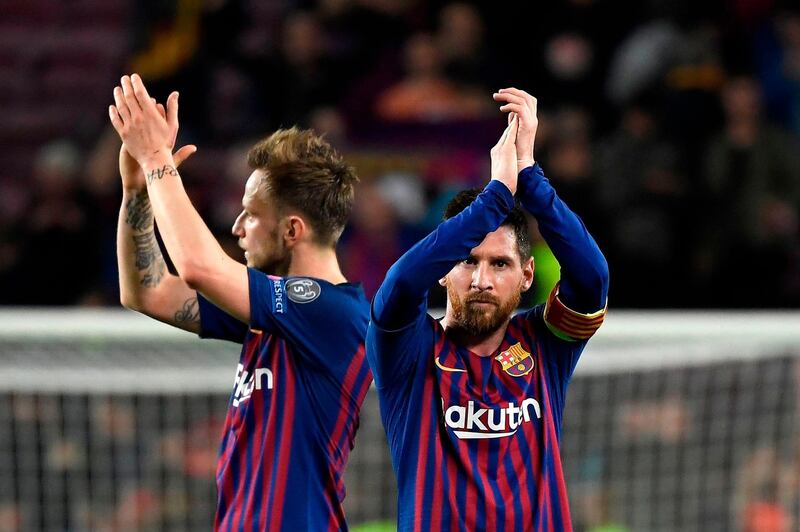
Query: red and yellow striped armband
pixel 568 324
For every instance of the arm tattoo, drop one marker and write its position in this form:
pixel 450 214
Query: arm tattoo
pixel 189 313
pixel 159 173
pixel 148 259
pixel 138 213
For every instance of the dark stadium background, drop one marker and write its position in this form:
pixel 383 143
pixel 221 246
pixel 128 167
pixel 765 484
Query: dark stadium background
pixel 672 127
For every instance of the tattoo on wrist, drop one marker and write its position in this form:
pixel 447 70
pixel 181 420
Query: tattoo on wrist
pixel 149 261
pixel 159 173
pixel 189 313
pixel 139 213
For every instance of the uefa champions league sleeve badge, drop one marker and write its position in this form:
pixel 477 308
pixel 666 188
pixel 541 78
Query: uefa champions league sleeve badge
pixel 303 290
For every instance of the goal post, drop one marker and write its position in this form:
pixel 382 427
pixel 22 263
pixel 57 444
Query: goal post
pixel 674 421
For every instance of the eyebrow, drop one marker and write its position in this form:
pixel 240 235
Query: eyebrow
pixel 494 258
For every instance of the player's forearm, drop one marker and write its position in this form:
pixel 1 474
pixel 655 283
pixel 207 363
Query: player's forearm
pixel 191 245
pixel 584 270
pixel 403 293
pixel 141 265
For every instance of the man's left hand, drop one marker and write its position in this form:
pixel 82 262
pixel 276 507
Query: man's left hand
pixel 147 134
pixel 522 104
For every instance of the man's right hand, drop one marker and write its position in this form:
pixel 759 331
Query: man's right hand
pixel 520 103
pixel 504 157
pixel 130 171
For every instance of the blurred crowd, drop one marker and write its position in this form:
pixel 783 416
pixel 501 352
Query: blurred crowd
pixel 671 127
pixel 109 464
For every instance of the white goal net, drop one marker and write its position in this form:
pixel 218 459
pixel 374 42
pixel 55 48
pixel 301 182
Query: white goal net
pixel 675 421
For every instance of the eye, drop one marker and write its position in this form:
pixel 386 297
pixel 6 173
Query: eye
pixel 500 264
pixel 470 261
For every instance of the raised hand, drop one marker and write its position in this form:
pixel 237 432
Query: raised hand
pixel 524 106
pixel 147 131
pixel 130 171
pixel 133 175
pixel 504 157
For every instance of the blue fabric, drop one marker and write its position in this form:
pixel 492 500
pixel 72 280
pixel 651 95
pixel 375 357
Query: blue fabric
pixel 293 412
pixel 584 270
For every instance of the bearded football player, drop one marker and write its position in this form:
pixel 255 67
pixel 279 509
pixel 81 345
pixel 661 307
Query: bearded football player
pixel 472 403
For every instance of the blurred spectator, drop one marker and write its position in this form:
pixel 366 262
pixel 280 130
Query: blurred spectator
pixel 753 184
pixel 59 253
pixel 641 193
pixel 461 40
pixel 568 160
pixel 102 184
pixel 641 60
pixel 13 278
pixel 759 494
pixel 362 32
pixel 376 235
pixel 300 77
pixel 629 98
pixel 180 44
pixel 426 94
pixel 777 53
pixel 10 517
pixel 691 88
pixel 575 51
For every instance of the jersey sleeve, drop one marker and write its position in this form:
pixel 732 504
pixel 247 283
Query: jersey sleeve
pixel 394 354
pixel 218 324
pixel 324 323
pixel 567 324
pixel 584 270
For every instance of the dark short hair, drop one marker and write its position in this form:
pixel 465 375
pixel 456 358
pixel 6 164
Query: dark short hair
pixel 516 219
pixel 304 173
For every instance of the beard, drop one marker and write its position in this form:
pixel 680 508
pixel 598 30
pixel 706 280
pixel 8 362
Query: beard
pixel 274 262
pixel 481 320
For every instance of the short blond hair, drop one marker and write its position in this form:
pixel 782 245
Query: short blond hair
pixel 304 173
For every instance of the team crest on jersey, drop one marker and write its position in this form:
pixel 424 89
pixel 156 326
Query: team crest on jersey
pixel 515 360
pixel 303 290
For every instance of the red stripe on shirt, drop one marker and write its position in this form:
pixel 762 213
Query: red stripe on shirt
pixel 504 486
pixel 269 445
pixel 422 452
pixel 255 467
pixel 348 407
pixel 233 494
pixel 489 497
pixel 551 443
pixel 286 437
pixel 345 410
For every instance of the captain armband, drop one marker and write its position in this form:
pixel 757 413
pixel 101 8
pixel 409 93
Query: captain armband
pixel 570 325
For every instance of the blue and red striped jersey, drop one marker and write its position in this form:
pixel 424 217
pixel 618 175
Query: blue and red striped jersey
pixel 293 413
pixel 475 439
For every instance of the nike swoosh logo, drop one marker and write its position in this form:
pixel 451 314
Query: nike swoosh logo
pixel 445 368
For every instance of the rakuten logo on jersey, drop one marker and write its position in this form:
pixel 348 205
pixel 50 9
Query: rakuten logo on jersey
pixel 473 423
pixel 244 386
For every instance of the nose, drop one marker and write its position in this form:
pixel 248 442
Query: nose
pixel 237 230
pixel 482 278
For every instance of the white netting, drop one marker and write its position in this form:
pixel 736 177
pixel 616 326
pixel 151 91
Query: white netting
pixel 674 421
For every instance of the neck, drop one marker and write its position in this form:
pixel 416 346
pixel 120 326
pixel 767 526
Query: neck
pixel 482 345
pixel 309 260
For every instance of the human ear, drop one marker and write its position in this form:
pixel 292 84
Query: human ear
pixel 527 274
pixel 294 230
